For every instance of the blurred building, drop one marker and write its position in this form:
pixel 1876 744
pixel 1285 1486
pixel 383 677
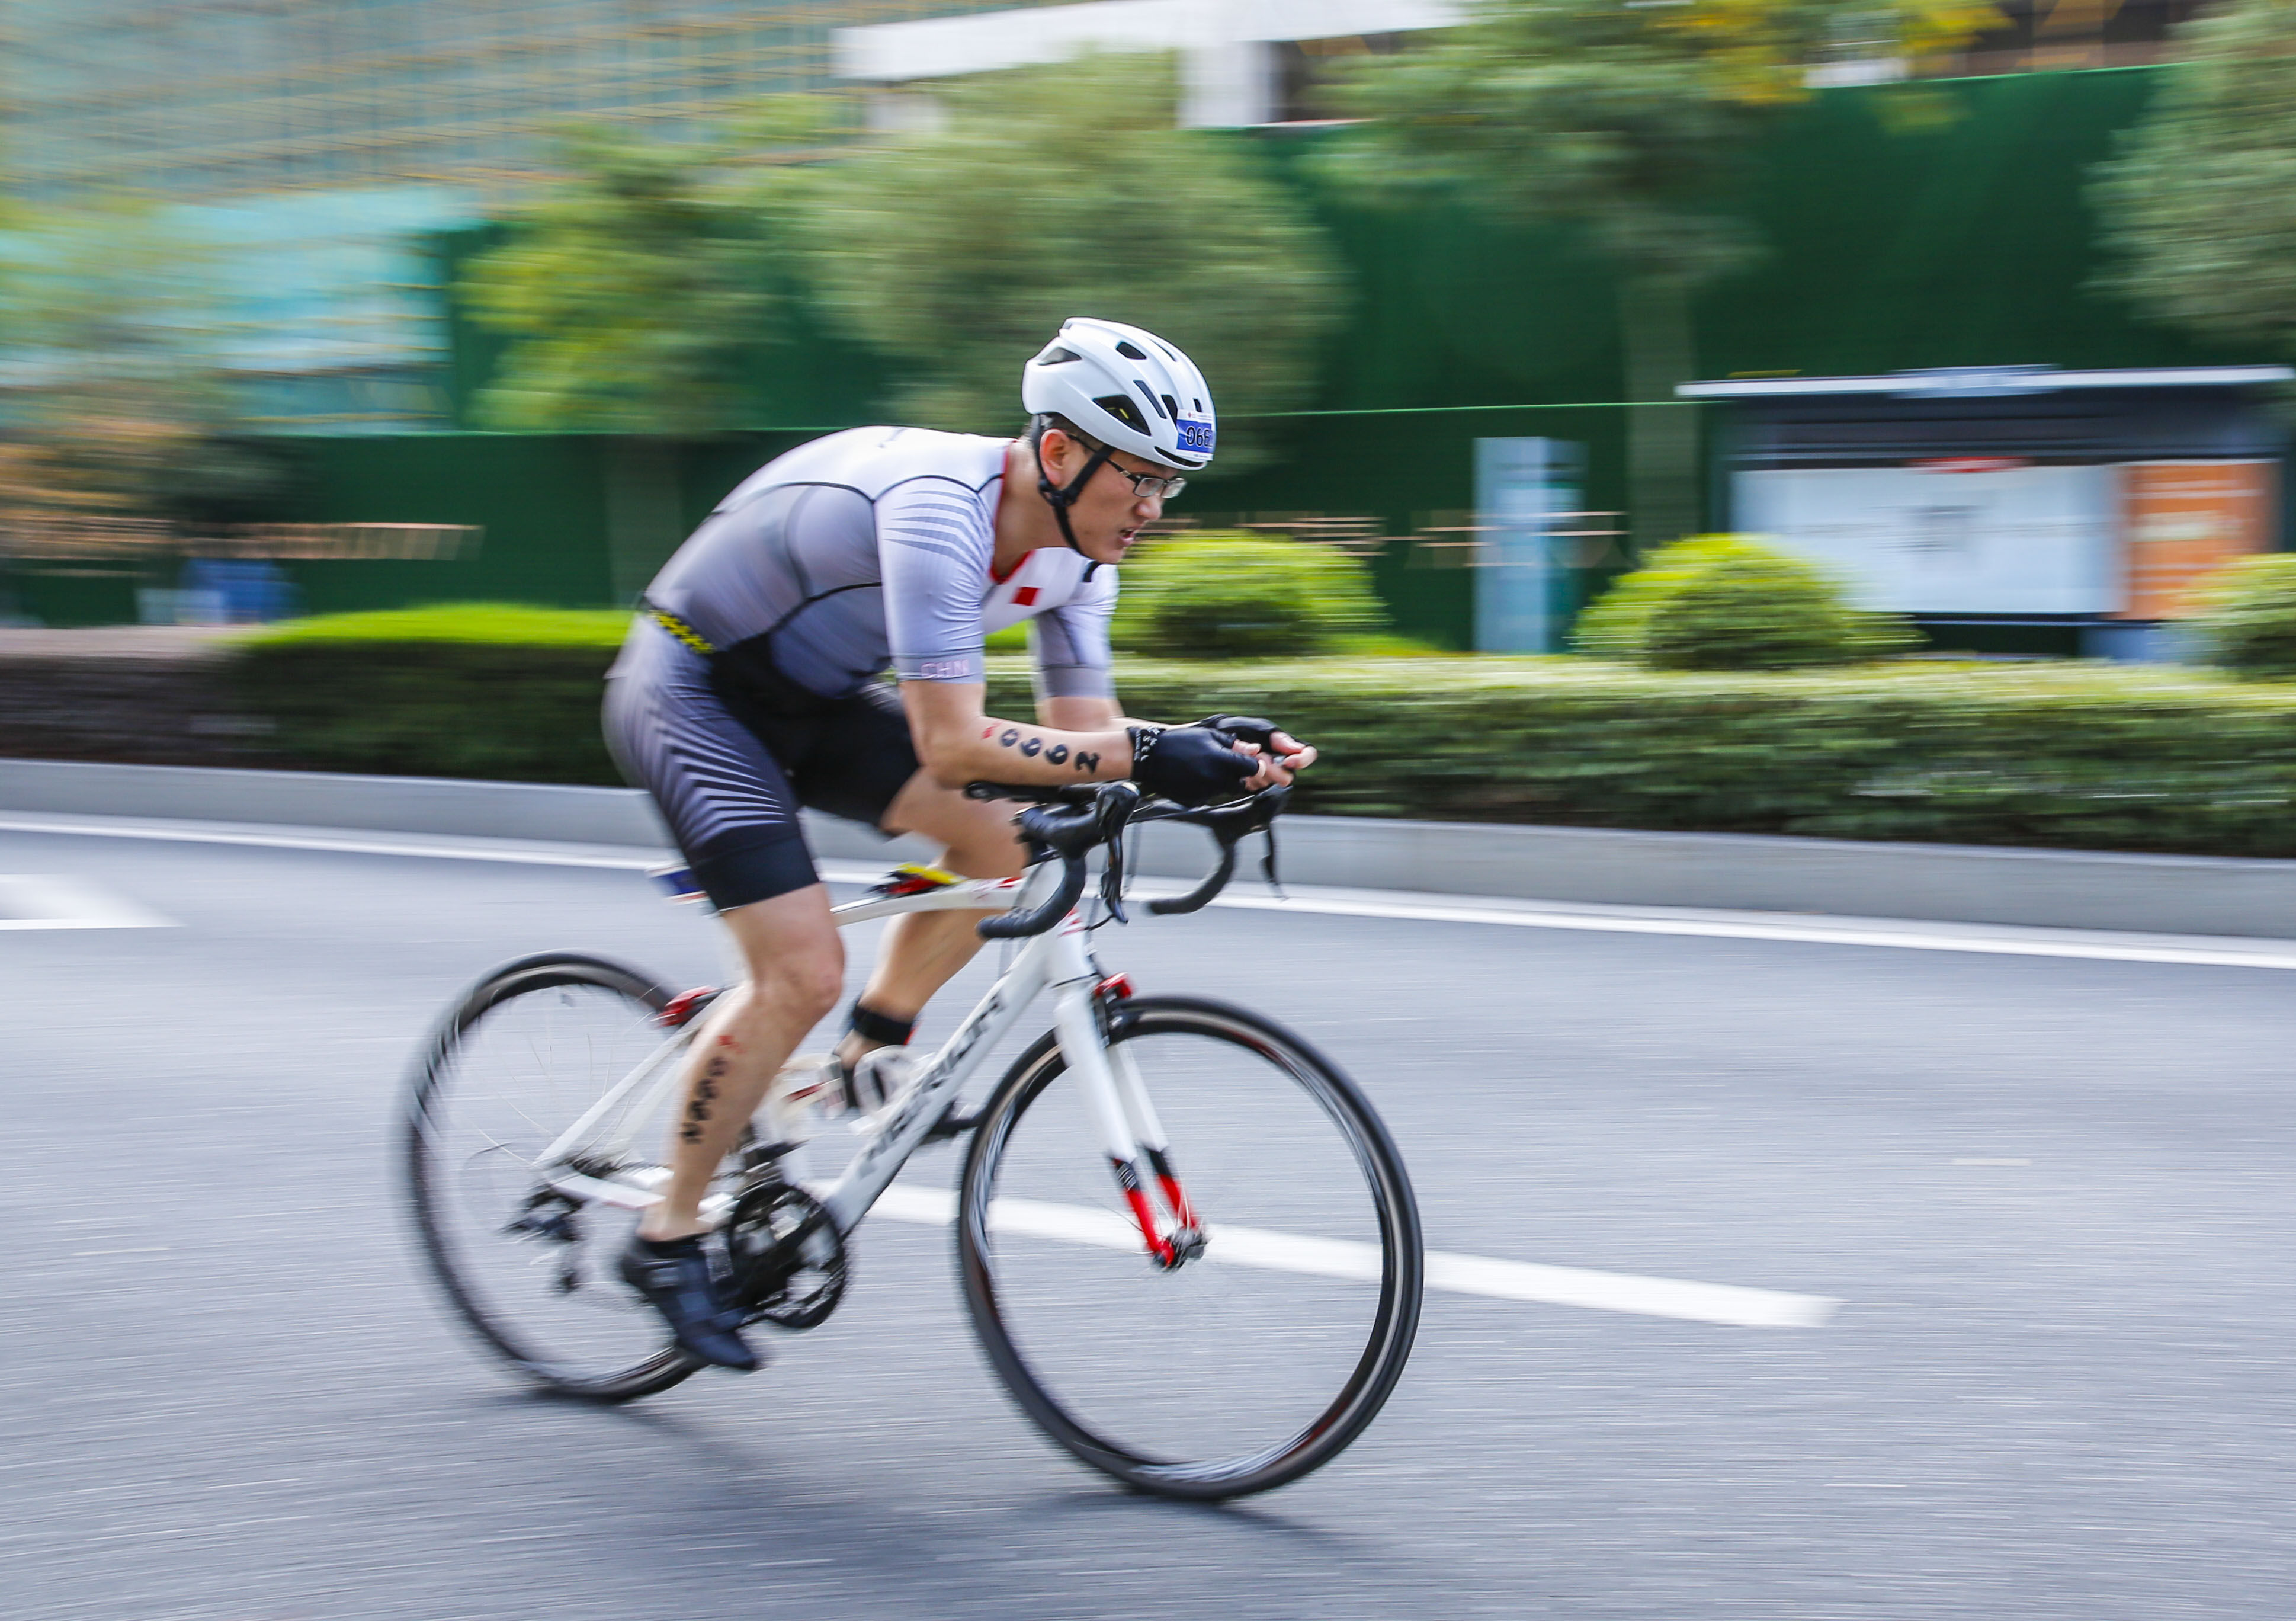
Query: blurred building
pixel 221 98
pixel 1243 63
pixel 318 146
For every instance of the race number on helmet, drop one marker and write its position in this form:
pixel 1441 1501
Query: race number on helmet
pixel 1127 388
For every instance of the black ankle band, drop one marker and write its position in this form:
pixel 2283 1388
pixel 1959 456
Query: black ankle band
pixel 872 1025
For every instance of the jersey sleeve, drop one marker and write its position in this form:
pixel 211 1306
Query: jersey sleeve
pixel 1071 643
pixel 933 546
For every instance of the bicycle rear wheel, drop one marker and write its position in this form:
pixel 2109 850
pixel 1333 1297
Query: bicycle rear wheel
pixel 1241 1369
pixel 519 1060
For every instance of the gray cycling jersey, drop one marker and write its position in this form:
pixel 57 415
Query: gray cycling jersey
pixel 872 547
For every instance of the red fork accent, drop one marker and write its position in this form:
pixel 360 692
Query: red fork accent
pixel 1144 1215
pixel 1181 1211
pixel 1168 1179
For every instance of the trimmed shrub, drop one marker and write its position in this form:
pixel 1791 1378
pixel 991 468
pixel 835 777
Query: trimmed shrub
pixel 1233 597
pixel 2248 624
pixel 1724 601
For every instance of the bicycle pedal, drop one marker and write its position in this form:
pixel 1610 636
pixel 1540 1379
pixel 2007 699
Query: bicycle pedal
pixel 549 1217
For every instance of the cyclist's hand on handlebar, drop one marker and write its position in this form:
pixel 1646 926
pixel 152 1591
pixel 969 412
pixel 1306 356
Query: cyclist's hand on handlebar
pixel 1190 765
pixel 1296 755
pixel 1284 757
pixel 1206 762
pixel 1265 737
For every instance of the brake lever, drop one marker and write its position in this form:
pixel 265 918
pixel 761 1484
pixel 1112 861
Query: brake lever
pixel 1112 879
pixel 1268 863
pixel 1229 825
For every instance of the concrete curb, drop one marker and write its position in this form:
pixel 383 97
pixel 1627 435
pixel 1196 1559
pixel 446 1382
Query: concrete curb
pixel 1736 872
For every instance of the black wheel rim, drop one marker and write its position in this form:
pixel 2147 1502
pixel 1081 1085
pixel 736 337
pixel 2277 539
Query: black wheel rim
pixel 1383 1328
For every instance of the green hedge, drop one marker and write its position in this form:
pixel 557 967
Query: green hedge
pixel 461 690
pixel 2076 755
pixel 2079 755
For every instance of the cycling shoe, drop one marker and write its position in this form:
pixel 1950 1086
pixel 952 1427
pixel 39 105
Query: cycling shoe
pixel 677 1280
pixel 878 1080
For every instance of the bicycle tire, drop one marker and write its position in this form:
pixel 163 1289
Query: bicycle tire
pixel 427 1162
pixel 1371 1379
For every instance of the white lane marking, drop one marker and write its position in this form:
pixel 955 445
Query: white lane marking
pixel 44 902
pixel 1715 1302
pixel 1911 936
pixel 1887 933
pixel 531 855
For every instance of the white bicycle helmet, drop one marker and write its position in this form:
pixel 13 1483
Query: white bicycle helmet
pixel 1125 388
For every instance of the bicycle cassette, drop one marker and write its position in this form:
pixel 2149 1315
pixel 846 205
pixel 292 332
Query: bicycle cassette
pixel 788 1259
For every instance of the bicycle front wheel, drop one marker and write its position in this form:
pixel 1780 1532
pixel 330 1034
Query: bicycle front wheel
pixel 525 1055
pixel 1256 1360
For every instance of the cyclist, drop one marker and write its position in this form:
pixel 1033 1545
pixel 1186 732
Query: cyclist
pixel 749 686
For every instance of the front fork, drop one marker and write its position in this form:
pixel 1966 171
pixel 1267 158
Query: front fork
pixel 1130 1132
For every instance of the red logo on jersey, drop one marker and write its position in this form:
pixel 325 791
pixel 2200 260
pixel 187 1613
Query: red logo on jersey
pixel 1025 598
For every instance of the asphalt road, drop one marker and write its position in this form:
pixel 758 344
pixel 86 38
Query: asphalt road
pixel 2053 1195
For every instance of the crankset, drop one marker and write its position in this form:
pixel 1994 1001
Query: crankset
pixel 788 1260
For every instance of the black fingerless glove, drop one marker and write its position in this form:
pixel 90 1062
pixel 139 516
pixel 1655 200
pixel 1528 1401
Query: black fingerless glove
pixel 1189 765
pixel 1243 728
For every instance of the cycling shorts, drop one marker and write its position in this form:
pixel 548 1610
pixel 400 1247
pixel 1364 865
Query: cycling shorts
pixel 728 768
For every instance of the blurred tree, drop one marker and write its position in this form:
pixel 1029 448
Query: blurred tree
pixel 1632 120
pixel 638 290
pixel 2200 204
pixel 114 389
pixel 957 252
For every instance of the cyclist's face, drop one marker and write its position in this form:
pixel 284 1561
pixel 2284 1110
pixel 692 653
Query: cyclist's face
pixel 1106 515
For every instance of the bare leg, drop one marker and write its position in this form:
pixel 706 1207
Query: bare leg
pixel 796 965
pixel 924 950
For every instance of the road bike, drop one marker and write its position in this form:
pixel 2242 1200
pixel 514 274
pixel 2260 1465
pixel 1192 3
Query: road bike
pixel 1186 1240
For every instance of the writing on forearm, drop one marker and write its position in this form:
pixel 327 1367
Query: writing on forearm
pixel 1029 745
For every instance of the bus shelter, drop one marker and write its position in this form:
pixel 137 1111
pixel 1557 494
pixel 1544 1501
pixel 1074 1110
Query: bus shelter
pixel 2013 509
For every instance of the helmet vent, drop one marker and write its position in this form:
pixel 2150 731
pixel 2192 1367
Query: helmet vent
pixel 1121 408
pixel 1130 351
pixel 1171 407
pixel 1057 356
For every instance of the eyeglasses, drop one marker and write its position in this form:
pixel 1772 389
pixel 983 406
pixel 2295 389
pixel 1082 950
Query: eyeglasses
pixel 1145 486
pixel 1150 486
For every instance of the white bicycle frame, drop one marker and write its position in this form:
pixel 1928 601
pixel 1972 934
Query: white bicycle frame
pixel 1056 961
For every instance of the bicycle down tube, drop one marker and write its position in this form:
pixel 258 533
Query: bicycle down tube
pixel 1055 960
